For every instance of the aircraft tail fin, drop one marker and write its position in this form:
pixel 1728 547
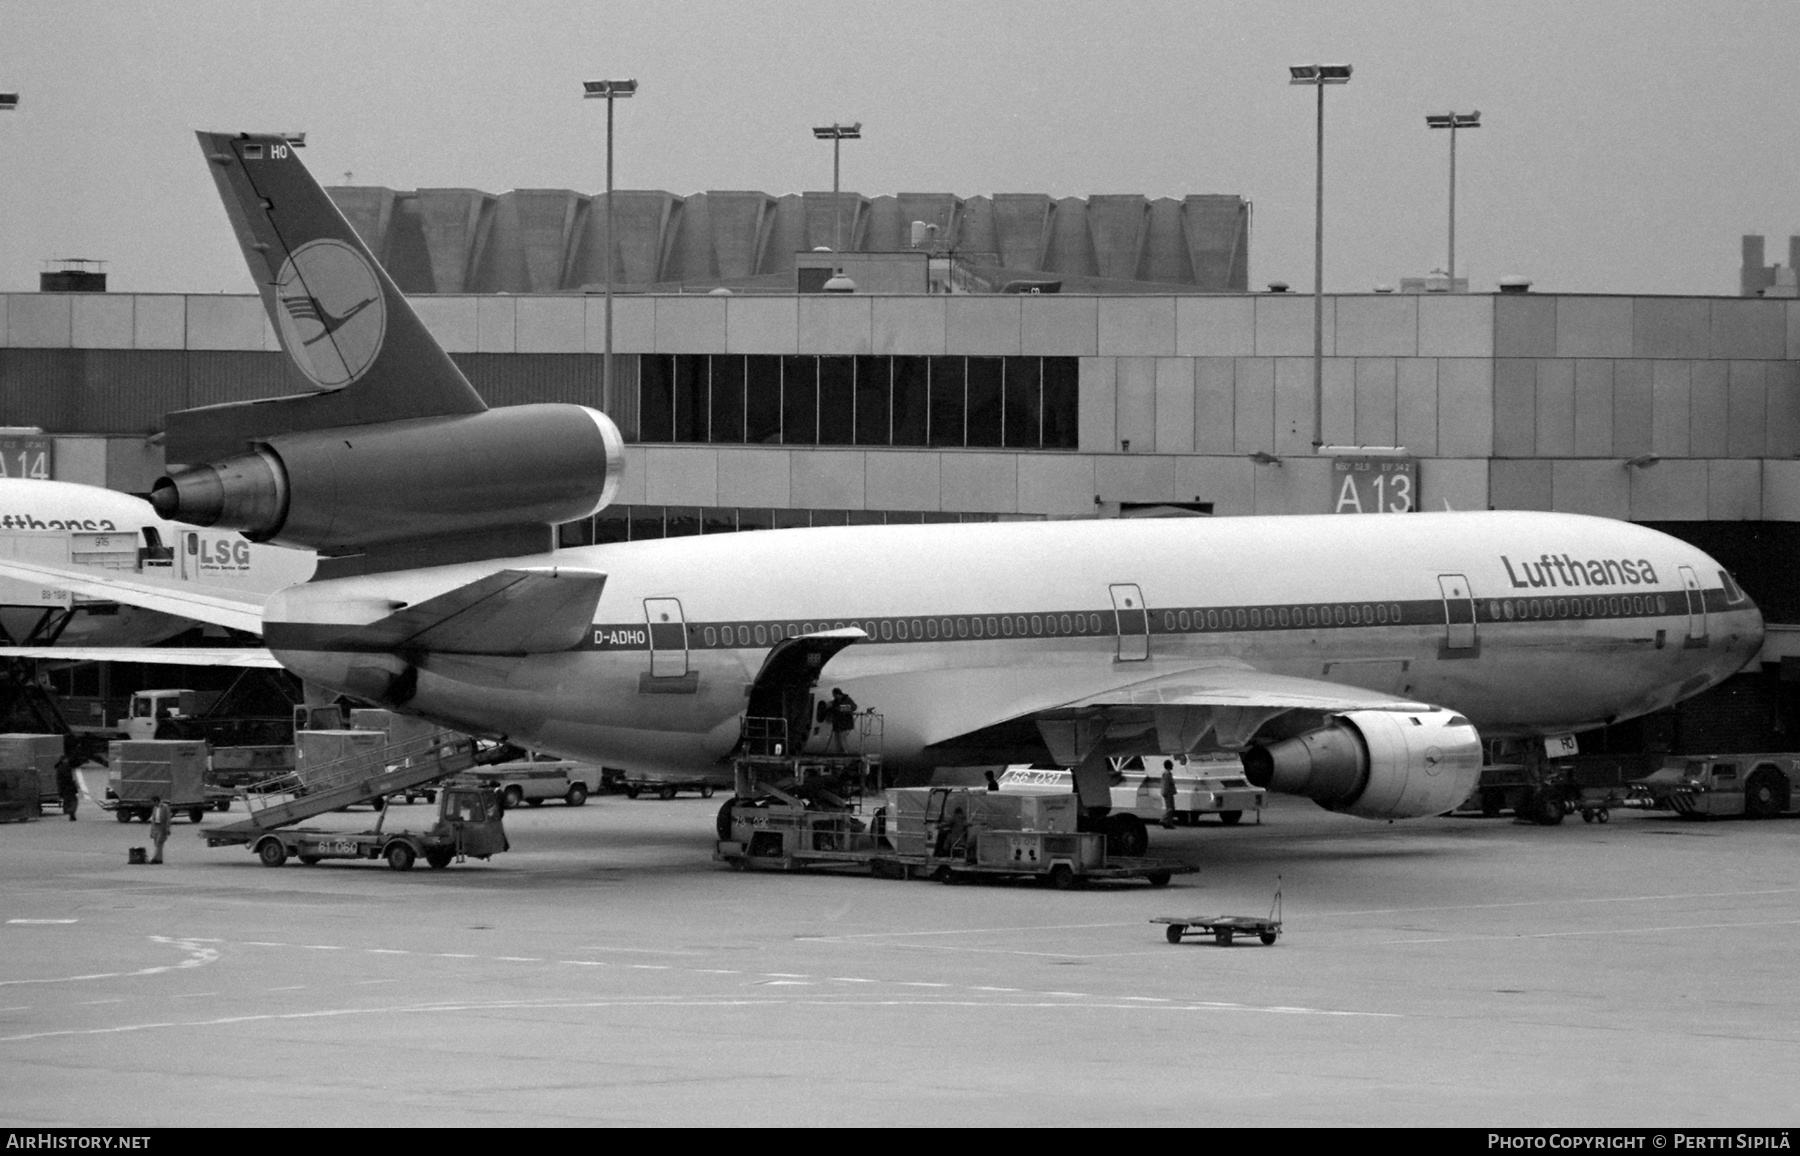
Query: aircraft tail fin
pixel 342 322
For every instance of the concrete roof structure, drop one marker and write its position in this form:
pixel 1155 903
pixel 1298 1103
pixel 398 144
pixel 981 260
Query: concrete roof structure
pixel 553 240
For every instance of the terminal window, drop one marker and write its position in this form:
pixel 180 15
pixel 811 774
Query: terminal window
pixel 997 402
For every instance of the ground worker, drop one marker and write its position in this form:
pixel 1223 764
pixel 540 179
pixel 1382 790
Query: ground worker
pixel 160 819
pixel 66 787
pixel 842 710
pixel 1168 792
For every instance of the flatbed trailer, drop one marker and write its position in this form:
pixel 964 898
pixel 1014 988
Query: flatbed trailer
pixel 1225 928
pixel 667 788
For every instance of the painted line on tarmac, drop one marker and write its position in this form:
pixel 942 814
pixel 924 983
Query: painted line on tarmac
pixel 40 921
pixel 1558 902
pixel 684 1002
pixel 1593 932
pixel 805 979
pixel 198 956
pixel 956 931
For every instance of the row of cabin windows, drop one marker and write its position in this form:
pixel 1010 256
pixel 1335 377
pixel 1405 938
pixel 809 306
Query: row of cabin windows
pixel 996 402
pixel 919 629
pixel 637 523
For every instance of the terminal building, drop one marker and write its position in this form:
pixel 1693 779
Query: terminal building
pixel 1162 386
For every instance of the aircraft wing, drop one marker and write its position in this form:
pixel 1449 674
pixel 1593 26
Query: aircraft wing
pixel 977 710
pixel 1237 684
pixel 236 613
pixel 238 656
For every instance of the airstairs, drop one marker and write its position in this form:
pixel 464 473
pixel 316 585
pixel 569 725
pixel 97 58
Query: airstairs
pixel 362 777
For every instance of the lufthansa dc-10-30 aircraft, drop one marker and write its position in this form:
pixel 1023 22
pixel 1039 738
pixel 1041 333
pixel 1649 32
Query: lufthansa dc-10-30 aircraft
pixel 1358 661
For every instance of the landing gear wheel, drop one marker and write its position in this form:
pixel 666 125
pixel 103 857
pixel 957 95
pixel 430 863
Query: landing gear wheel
pixel 379 803
pixel 1158 879
pixel 400 857
pixel 1173 935
pixel 1587 816
pixel 439 859
pixel 1603 816
pixel 706 792
pixel 724 826
pixel 511 797
pixel 577 794
pixel 1766 795
pixel 271 853
pixel 1126 835
pixel 1230 818
pixel 1492 801
pixel 1546 809
pixel 1061 877
pixel 194 814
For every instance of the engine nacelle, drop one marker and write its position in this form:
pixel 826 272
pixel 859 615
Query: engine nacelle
pixel 1375 763
pixel 350 488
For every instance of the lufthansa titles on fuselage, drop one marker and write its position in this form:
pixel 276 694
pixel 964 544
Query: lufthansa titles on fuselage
pixel 1562 570
pixel 29 522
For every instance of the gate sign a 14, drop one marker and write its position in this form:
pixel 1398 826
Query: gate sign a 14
pixel 27 457
pixel 1374 485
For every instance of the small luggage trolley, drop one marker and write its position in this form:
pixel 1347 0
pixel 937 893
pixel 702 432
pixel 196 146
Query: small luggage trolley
pixel 1225 928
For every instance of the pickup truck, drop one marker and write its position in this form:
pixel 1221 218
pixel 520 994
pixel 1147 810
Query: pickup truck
pixel 536 777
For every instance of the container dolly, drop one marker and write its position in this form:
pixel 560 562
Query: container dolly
pixel 1223 928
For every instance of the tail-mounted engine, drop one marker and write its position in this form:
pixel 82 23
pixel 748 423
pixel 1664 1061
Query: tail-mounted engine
pixel 1376 764
pixel 353 489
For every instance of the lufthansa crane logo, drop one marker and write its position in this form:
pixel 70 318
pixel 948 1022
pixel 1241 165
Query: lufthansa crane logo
pixel 332 315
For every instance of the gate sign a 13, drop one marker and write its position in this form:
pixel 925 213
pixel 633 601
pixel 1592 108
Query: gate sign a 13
pixel 1374 485
pixel 27 457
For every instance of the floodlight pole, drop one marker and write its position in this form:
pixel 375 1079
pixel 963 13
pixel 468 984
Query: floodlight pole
pixel 837 134
pixel 609 91
pixel 1319 75
pixel 1453 121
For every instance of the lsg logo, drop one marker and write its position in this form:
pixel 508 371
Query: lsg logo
pixel 220 553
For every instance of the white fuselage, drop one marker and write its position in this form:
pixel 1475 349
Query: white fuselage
pixel 1526 623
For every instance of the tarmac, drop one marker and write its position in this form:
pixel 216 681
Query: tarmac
pixel 1448 971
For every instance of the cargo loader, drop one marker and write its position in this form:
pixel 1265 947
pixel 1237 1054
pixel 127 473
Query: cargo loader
pixel 468 821
pixel 943 833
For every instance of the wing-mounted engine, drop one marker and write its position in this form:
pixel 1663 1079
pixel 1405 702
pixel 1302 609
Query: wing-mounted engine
pixel 1378 764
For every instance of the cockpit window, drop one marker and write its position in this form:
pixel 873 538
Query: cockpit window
pixel 1733 595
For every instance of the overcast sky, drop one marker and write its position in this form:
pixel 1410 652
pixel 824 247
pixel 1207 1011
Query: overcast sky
pixel 1625 145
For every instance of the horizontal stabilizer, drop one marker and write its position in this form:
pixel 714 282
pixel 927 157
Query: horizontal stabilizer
pixel 508 612
pixel 228 656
